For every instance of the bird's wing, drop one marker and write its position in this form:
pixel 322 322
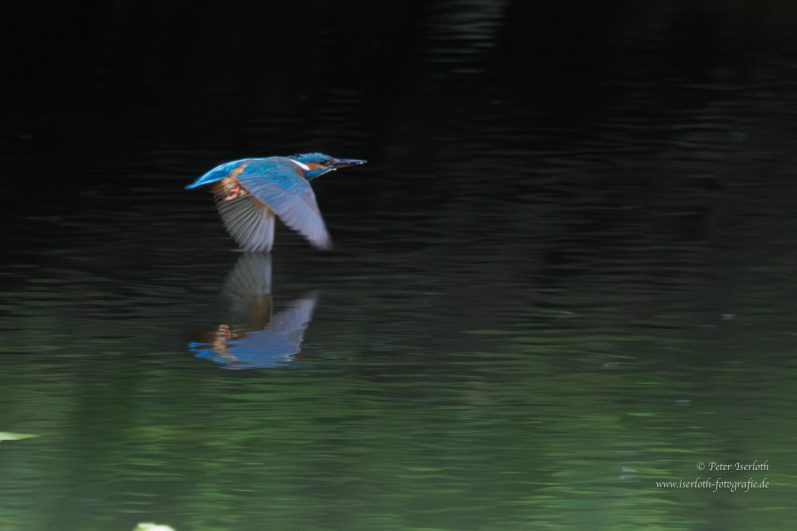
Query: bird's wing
pixel 249 222
pixel 282 190
pixel 247 290
pixel 292 321
pixel 251 277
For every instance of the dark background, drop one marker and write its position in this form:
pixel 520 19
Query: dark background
pixel 593 122
pixel 97 92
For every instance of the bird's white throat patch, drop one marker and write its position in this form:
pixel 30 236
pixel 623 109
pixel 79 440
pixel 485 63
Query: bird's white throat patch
pixel 303 166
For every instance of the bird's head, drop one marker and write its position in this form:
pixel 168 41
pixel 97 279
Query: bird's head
pixel 317 164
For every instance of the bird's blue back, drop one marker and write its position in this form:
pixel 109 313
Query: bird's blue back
pixel 216 174
pixel 279 170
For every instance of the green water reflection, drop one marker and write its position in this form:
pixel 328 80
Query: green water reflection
pixel 540 418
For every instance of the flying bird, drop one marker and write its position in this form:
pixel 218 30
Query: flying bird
pixel 250 193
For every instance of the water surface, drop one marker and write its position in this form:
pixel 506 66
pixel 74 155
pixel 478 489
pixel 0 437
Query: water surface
pixel 561 278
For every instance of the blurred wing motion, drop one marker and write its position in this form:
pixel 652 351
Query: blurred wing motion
pixel 251 277
pixel 279 189
pixel 292 322
pixel 247 290
pixel 248 221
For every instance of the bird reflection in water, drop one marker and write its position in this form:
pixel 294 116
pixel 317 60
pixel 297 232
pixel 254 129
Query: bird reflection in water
pixel 253 338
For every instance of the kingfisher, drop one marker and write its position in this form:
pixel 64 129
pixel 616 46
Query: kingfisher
pixel 250 193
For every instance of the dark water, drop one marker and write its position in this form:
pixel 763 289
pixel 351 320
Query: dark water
pixel 566 273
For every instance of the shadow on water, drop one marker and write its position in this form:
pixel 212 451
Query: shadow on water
pixel 251 336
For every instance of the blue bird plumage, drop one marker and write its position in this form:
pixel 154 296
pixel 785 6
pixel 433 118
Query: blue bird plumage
pixel 251 192
pixel 216 174
pixel 250 336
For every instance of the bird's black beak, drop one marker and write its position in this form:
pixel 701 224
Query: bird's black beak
pixel 345 163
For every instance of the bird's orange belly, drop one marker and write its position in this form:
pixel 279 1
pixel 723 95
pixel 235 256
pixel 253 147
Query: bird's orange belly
pixel 228 189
